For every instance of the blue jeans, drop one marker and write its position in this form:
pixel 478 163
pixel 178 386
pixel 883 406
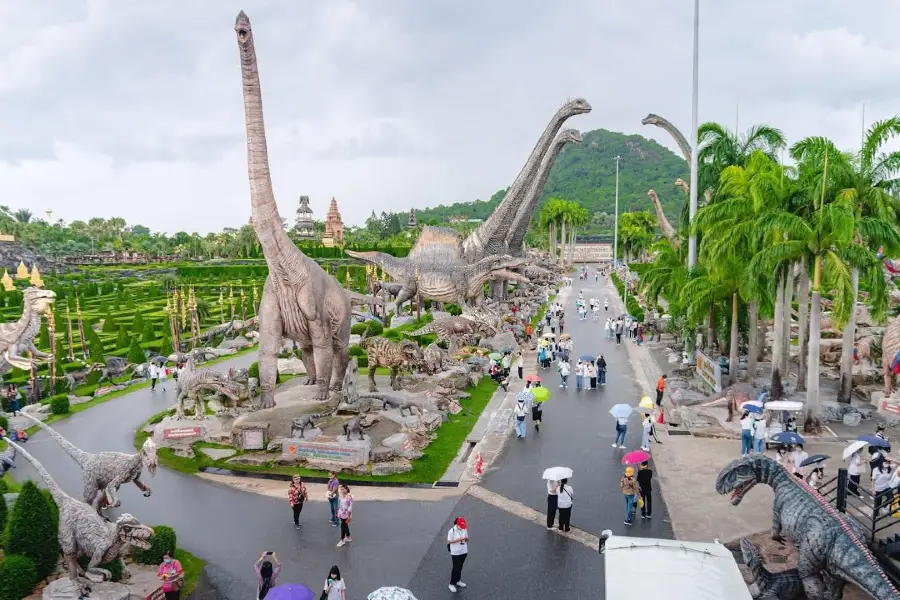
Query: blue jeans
pixel 333 504
pixel 579 380
pixel 746 441
pixel 601 376
pixel 520 427
pixel 620 434
pixel 760 446
pixel 630 502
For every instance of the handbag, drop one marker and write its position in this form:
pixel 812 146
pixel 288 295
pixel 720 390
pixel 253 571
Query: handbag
pixel 640 502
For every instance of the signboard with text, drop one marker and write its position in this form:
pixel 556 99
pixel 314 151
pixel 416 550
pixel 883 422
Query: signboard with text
pixel 253 439
pixel 350 454
pixel 709 371
pixel 179 433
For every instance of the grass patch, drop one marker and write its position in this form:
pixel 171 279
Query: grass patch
pixel 427 469
pixel 192 567
pixel 13 486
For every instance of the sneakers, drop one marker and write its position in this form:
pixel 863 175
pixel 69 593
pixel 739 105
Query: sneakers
pixel 297 527
pixel 622 446
pixel 560 385
pixel 460 584
pixel 452 588
pixel 614 445
pixel 348 540
pixel 340 543
pixel 628 522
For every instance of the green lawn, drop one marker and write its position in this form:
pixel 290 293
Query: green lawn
pixel 427 469
pixel 193 567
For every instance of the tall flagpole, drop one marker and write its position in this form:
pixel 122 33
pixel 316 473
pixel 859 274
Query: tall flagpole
pixel 692 241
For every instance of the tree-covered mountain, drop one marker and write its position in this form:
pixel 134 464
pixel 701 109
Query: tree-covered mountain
pixel 586 173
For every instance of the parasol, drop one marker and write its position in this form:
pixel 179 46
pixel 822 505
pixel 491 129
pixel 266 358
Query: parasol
pixel 565 336
pixel 815 458
pixel 874 440
pixel 646 403
pixel 549 334
pixel 540 394
pixel 853 448
pixel 533 378
pixel 495 356
pixel 753 409
pixel 787 437
pixel 635 457
pixel 525 396
pixel 391 593
pixel 290 591
pixel 586 357
pixel 621 411
pixel 557 473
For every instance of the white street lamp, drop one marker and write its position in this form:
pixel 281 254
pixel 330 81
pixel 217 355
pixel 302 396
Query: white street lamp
pixel 692 240
pixel 616 233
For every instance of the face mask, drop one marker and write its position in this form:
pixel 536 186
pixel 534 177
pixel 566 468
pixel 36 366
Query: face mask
pixel 167 560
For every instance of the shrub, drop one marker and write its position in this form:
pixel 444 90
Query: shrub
pixel 4 489
pixel 4 423
pixel 18 576
pixel 114 567
pixel 59 405
pixel 369 328
pixel 61 386
pixel 453 309
pixel 148 335
pixel 109 324
pixel 165 345
pixel 93 377
pixel 129 301
pixel 32 530
pixel 95 347
pixel 137 325
pixel 44 335
pixel 123 340
pixel 4 513
pixel 136 353
pixel 253 371
pixel 163 540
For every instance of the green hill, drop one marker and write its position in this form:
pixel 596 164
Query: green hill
pixel 587 173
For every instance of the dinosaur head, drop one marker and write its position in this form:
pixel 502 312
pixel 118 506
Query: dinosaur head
pixel 411 351
pixel 244 32
pixel 651 119
pixel 570 136
pixel 578 106
pixel 132 532
pixel 148 456
pixel 652 194
pixel 39 300
pixel 739 477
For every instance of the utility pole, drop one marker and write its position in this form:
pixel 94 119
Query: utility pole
pixel 616 233
pixel 692 240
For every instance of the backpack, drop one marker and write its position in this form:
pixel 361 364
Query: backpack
pixel 520 407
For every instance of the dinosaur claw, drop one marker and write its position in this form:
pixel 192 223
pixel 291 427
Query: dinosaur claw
pixel 148 493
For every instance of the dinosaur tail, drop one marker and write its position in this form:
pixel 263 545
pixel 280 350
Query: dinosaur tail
pixel 54 488
pixel 427 329
pixel 867 574
pixel 77 454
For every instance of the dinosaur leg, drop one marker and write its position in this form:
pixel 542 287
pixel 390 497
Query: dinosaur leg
pixel 834 587
pixel 126 574
pixel 395 385
pixel 306 351
pixel 324 359
pixel 73 569
pixel 142 486
pixel 776 527
pixel 93 572
pixel 113 500
pixel 404 295
pixel 93 495
pixel 341 358
pixel 271 330
pixel 372 386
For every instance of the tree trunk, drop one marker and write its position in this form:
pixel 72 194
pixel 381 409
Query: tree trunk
pixel 753 339
pixel 550 239
pixel 778 339
pixel 562 241
pixel 813 423
pixel 846 388
pixel 788 319
pixel 761 336
pixel 733 350
pixel 711 328
pixel 803 333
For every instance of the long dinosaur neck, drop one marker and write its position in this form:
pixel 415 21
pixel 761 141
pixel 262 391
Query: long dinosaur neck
pixel 266 219
pixel 490 236
pixel 677 136
pixel 661 219
pixel 516 237
pixel 77 454
pixel 54 488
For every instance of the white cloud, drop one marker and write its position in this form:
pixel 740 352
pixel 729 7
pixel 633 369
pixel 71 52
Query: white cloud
pixel 135 109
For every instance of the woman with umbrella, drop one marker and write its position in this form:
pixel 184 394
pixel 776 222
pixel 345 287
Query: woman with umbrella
pixel 540 395
pixel 555 476
pixel 853 452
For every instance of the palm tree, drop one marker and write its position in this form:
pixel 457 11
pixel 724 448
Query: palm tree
pixel 577 216
pixel 550 217
pixel 721 148
pixel 23 215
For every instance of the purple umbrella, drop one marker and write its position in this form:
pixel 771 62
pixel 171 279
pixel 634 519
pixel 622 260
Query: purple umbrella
pixel 290 591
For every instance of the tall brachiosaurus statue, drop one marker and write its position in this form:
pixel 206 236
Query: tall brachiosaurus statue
pixel 683 145
pixel 662 221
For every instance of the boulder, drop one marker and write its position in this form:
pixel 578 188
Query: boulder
pixel 64 589
pixel 398 442
pixel 400 465
pixel 36 410
pixel 183 451
pixel 399 320
pixel 381 454
pixel 500 342
pixel 238 343
pixel 291 366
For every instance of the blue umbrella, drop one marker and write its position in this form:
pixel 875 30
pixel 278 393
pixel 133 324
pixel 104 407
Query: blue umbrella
pixel 874 440
pixel 753 409
pixel 815 458
pixel 621 411
pixel 787 437
pixel 525 396
pixel 586 357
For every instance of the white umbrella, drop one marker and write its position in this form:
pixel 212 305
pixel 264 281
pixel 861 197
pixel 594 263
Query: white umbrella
pixel 854 447
pixel 391 593
pixel 549 334
pixel 557 473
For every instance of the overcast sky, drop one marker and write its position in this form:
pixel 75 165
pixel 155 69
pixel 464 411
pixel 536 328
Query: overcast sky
pixel 134 109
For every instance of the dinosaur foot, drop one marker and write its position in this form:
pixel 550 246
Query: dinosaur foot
pixel 322 391
pixel 148 492
pixel 309 381
pixel 97 575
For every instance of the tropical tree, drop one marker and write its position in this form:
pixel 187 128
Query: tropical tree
pixel 636 233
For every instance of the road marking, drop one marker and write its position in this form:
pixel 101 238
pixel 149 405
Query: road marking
pixel 529 514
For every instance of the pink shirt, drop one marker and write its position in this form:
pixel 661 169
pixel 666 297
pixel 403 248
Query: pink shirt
pixel 174 572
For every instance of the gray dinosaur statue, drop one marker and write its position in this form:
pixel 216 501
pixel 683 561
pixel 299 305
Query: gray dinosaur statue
pixel 401 404
pixel 784 585
pixel 82 532
pixel 515 238
pixel 356 425
pixel 382 352
pixel 192 382
pixel 304 421
pixel 299 300
pixel 434 359
pixel 7 459
pixel 680 140
pixel 104 472
pixel 17 337
pixel 447 327
pixel 826 540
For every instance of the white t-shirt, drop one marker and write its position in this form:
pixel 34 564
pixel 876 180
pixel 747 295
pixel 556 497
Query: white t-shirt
pixel 336 587
pixel 565 497
pixel 550 485
pixel 759 429
pixel 799 457
pixel 648 423
pixel 520 361
pixel 459 547
pixel 746 423
pixel 521 409
pixel 563 368
pixel 153 372
pixel 856 464
pixel 882 480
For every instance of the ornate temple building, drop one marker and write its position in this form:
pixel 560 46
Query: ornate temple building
pixel 334 226
pixel 411 223
pixel 304 225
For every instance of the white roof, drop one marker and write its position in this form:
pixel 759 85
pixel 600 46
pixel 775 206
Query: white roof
pixel 788 405
pixel 655 569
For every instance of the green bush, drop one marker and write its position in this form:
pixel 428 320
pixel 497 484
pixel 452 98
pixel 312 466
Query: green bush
pixel 59 405
pixel 253 371
pixel 44 335
pixel 369 328
pixel 32 530
pixel 4 489
pixel 163 540
pixel 4 423
pixel 62 354
pixel 109 324
pixel 165 345
pixel 93 377
pixel 137 325
pixel 136 353
pixel 453 309
pixel 18 576
pixel 123 340
pixel 4 512
pixel 95 348
pixel 148 335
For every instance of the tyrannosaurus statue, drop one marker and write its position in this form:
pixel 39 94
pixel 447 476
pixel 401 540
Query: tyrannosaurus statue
pixel 17 337
pixel 300 300
pixel 104 472
pixel 82 532
pixel 825 539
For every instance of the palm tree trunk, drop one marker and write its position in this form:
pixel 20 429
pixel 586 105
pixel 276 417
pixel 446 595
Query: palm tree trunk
pixel 711 328
pixel 788 319
pixel 846 388
pixel 761 336
pixel 733 350
pixel 813 423
pixel 753 335
pixel 803 333
pixel 550 238
pixel 778 339
pixel 562 241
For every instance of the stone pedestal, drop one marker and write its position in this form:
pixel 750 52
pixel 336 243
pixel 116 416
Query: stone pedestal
pixel 250 436
pixel 63 589
pixel 291 366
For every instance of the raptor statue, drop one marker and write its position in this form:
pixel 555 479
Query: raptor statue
pixel 192 382
pixel 104 472
pixel 17 337
pixel 784 585
pixel 300 300
pixel 454 329
pixel 382 352
pixel 82 532
pixel 827 541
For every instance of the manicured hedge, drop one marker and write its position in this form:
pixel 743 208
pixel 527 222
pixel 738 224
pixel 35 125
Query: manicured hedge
pixel 32 530
pixel 18 576
pixel 59 405
pixel 162 541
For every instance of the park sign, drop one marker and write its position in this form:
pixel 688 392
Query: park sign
pixel 709 371
pixel 180 433
pixel 352 453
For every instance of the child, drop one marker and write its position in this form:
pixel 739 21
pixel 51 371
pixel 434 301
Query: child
pixel 630 489
pixel 645 479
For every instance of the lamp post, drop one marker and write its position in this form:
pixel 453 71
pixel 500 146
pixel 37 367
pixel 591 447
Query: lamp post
pixel 692 240
pixel 616 232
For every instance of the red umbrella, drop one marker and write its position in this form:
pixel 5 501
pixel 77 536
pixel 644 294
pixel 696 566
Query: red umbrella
pixel 532 378
pixel 635 457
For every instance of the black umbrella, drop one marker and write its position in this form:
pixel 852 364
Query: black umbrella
pixel 815 458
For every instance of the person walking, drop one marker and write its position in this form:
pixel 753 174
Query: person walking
pixel 601 370
pixel 552 502
pixel 297 495
pixel 607 328
pixel 759 435
pixel 529 331
pixel 562 323
pixel 746 434
pixel 520 364
pixel 520 412
pixel 458 544
pixel 799 456
pixel 591 374
pixel 153 373
pixel 855 469
pixel 579 376
pixel 163 375
pixel 619 329
pixel 606 305
pixel 881 487
pixel 660 388
pixel 13 395
pixel 331 494
pixel 267 568
pixel 172 576
pixel 645 485
pixel 565 496
pixel 335 587
pixel 630 489
pixel 621 429
pixel 345 514
pixel 563 368
pixel 537 412
pixel 554 323
pixel 647 424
